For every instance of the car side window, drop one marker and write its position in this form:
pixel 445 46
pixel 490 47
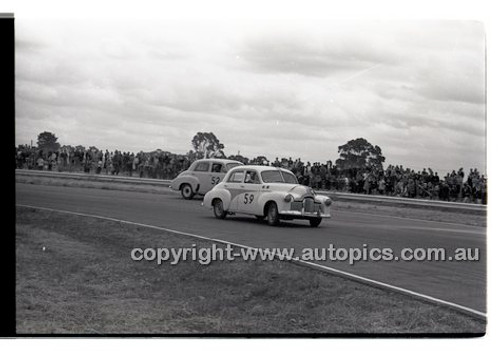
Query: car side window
pixel 216 167
pixel 202 167
pixel 236 177
pixel 251 177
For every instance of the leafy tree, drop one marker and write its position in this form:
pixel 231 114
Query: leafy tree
pixel 191 156
pixel 207 145
pixel 47 142
pixel 359 154
pixel 260 160
pixel 218 154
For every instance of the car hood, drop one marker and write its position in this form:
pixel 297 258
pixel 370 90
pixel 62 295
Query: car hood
pixel 298 191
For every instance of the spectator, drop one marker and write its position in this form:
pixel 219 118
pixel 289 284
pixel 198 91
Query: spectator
pixel 394 180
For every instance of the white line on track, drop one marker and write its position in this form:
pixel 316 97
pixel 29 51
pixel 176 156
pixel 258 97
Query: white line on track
pixel 355 277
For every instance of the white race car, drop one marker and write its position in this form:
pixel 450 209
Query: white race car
pixel 201 176
pixel 266 192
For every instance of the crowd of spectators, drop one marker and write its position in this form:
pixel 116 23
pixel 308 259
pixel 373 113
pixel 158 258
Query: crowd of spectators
pixel 391 181
pixel 157 164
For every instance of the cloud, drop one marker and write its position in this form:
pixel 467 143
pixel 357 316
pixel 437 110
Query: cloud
pixel 454 78
pixel 309 54
pixel 275 89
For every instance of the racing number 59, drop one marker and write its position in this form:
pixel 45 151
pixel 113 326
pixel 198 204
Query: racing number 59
pixel 248 199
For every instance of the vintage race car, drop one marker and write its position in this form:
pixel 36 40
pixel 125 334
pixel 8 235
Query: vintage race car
pixel 201 176
pixel 269 193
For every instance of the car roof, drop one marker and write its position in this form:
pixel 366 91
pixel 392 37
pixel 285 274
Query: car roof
pixel 260 168
pixel 223 160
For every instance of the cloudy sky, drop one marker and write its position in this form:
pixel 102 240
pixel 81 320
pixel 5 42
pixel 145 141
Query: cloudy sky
pixel 273 88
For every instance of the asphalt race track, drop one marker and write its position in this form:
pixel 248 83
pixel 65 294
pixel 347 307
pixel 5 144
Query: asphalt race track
pixel 462 283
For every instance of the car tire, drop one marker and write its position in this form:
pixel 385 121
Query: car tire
pixel 187 191
pixel 314 222
pixel 219 209
pixel 273 216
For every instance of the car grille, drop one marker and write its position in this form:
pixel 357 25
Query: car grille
pixel 307 204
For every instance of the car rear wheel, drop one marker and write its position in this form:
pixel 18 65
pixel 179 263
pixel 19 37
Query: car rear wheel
pixel 314 222
pixel 219 209
pixel 187 191
pixel 273 217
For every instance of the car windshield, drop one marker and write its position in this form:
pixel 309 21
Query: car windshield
pixel 276 176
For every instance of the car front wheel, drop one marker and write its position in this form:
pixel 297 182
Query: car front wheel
pixel 187 191
pixel 219 209
pixel 273 217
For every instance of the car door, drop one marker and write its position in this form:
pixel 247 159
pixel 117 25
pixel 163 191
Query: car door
pixel 234 184
pixel 201 172
pixel 248 200
pixel 216 173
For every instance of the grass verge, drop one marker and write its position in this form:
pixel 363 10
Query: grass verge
pixel 75 275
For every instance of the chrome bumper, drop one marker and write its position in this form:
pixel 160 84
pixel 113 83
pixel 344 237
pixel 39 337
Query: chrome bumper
pixel 305 214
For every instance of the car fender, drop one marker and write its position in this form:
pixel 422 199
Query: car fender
pixel 182 179
pixel 322 199
pixel 217 193
pixel 276 196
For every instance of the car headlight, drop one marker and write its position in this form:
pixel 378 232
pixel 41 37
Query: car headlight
pixel 288 198
pixel 328 202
